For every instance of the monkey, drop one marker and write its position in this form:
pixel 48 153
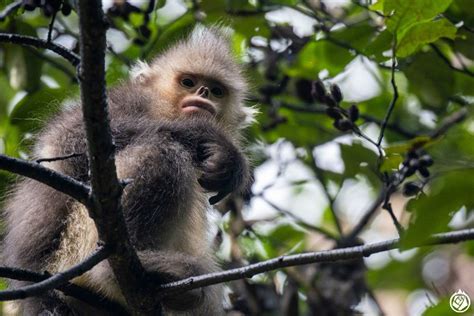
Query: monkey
pixel 177 126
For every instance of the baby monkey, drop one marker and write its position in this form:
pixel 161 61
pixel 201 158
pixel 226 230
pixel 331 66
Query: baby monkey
pixel 176 124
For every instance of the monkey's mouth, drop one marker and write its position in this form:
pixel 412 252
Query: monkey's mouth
pixel 197 104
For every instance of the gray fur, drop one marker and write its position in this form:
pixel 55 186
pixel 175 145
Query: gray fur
pixel 173 162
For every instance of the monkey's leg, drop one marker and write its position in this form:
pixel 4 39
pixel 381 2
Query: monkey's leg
pixel 35 217
pixel 161 191
pixel 165 210
pixel 171 266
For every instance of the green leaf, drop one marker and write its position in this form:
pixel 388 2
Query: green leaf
pixel 405 13
pixel 399 274
pixel 377 6
pixel 424 33
pixel 402 148
pixel 430 79
pixel 432 212
pixel 317 56
pixel 391 162
pixel 302 129
pixel 358 159
pixel 443 308
pixel 283 239
pixel 171 33
pixel 24 68
pixel 380 44
pixel 358 36
pixel 33 110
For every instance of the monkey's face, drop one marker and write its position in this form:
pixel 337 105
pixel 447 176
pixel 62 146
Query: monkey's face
pixel 199 95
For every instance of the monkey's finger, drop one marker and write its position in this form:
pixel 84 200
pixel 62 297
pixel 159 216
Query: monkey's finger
pixel 215 182
pixel 218 197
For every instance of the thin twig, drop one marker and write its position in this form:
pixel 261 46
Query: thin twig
pixel 394 98
pixel 348 253
pixel 319 110
pixel 58 279
pixel 51 25
pixel 369 214
pixel 68 72
pixel 357 3
pixel 446 60
pixel 9 9
pixel 299 220
pixel 388 207
pixel 320 176
pixel 73 155
pixel 106 188
pixel 349 47
pixel 449 122
pixel 73 58
pixel 69 289
pixel 56 180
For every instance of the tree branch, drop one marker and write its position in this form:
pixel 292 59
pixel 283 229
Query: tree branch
pixel 58 279
pixel 68 289
pixel 56 180
pixel 9 9
pixel 317 110
pixel 392 102
pixel 369 214
pixel 446 60
pixel 68 72
pixel 332 255
pixel 449 121
pixel 298 220
pixel 39 43
pixel 106 189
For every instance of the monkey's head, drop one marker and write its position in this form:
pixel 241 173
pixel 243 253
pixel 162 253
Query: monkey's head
pixel 197 76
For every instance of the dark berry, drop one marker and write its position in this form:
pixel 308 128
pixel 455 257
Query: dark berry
pixel 334 113
pixel 139 42
pixel 318 91
pixel 145 31
pixel 414 163
pixel 426 160
pixel 411 188
pixel 303 90
pixel 343 125
pixel 329 101
pixel 412 154
pixel 336 93
pixel 29 5
pixel 353 113
pixel 408 172
pixel 424 172
pixel 66 9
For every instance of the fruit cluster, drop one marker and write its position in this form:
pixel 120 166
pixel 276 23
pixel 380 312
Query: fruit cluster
pixel 343 119
pixel 49 7
pixel 417 160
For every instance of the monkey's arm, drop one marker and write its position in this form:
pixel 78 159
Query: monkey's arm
pixel 224 167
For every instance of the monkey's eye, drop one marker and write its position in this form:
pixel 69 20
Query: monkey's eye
pixel 217 92
pixel 187 82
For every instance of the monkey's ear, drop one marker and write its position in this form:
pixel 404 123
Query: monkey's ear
pixel 140 72
pixel 247 116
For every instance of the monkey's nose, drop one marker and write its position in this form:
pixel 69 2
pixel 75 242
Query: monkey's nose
pixel 203 92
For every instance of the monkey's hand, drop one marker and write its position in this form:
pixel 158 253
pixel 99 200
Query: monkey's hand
pixel 224 167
